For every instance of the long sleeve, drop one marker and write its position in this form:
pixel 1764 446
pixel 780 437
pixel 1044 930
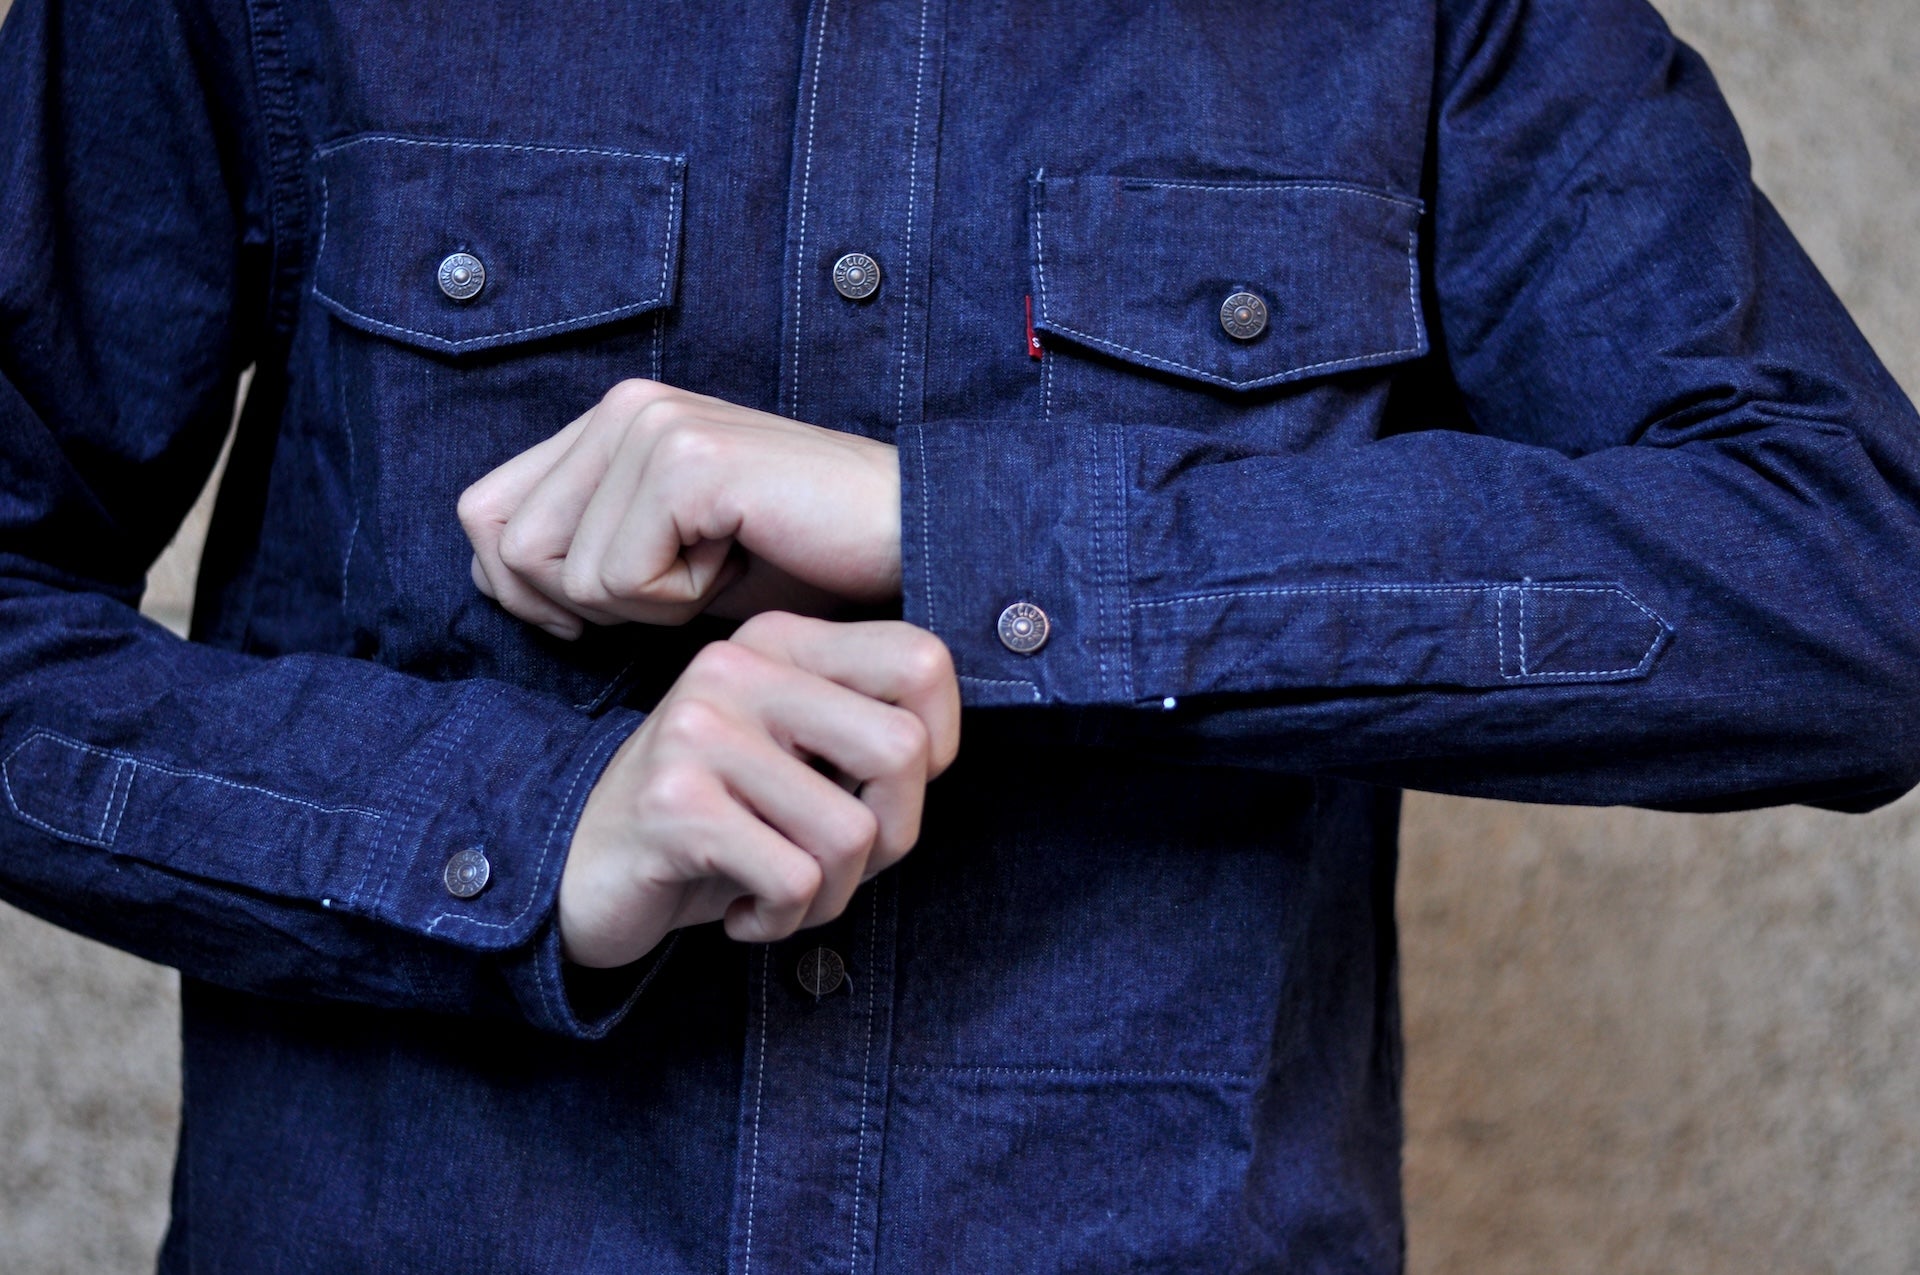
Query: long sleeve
pixel 1643 526
pixel 277 825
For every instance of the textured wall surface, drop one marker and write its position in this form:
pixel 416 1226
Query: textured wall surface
pixel 1637 1042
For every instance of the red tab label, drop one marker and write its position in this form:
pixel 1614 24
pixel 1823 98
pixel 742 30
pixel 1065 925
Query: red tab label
pixel 1034 349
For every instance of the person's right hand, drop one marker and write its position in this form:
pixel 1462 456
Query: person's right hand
pixel 786 765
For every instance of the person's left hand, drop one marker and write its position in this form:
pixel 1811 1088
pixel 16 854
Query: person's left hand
pixel 659 504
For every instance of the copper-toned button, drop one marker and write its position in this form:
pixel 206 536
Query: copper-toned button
pixel 1023 628
pixel 1244 316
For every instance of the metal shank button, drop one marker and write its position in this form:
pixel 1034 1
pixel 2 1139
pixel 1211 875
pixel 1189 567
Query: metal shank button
pixel 462 276
pixel 821 972
pixel 1244 316
pixel 856 276
pixel 1023 628
pixel 467 874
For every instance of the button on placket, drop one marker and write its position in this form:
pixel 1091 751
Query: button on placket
pixel 821 972
pixel 856 276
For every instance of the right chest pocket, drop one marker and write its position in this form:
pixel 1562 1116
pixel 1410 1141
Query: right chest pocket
pixel 478 297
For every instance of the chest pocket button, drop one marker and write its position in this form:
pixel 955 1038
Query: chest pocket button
pixel 1244 316
pixel 462 276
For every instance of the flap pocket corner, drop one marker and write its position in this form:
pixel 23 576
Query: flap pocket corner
pixel 458 246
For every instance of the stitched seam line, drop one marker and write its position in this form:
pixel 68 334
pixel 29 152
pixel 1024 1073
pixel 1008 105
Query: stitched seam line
pixel 394 139
pixel 1032 688
pixel 906 278
pixel 117 802
pixel 353 486
pixel 463 343
pixel 759 1086
pixel 442 752
pixel 185 773
pixel 1079 1073
pixel 866 1072
pixel 1274 188
pixel 806 186
pixel 1500 627
pixel 1125 585
pixel 926 527
pixel 1499 591
pixel 1523 632
pixel 1155 360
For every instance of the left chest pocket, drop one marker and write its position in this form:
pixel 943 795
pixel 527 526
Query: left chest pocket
pixel 474 297
pixel 459 247
pixel 1236 287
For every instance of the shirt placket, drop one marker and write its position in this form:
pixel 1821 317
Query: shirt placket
pixel 853 348
pixel 814 1094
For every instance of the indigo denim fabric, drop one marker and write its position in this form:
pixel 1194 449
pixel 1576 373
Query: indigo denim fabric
pixel 1557 474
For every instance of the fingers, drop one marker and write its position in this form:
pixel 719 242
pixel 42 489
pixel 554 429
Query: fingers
pixel 881 750
pixel 647 507
pixel 887 660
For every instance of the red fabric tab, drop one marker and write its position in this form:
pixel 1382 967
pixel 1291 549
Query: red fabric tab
pixel 1034 349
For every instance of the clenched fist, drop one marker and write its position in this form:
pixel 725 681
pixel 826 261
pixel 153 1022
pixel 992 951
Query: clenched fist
pixel 659 504
pixel 785 766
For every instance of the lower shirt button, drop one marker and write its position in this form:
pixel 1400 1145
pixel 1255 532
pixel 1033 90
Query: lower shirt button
pixel 821 972
pixel 467 874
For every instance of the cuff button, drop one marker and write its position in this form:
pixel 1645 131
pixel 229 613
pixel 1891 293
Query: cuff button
pixel 467 874
pixel 1023 628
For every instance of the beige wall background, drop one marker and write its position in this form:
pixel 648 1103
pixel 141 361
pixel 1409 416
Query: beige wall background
pixel 1636 1042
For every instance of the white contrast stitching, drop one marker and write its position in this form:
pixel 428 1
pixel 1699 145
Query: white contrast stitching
pixel 759 1085
pixel 440 759
pixel 1154 360
pixel 468 342
pixel 1499 591
pixel 1523 634
pixel 353 489
pixel 806 185
pixel 1274 188
pixel 866 1069
pixel 906 277
pixel 1033 688
pixel 1325 588
pixel 126 768
pixel 332 148
pixel 1081 1073
pixel 1500 628
pixel 926 522
pixel 666 249
pixel 1126 560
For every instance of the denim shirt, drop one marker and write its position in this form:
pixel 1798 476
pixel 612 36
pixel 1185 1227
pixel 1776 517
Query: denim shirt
pixel 1556 473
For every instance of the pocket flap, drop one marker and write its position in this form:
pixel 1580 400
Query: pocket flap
pixel 1139 268
pixel 567 237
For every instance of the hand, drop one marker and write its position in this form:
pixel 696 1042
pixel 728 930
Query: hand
pixel 659 504
pixel 718 807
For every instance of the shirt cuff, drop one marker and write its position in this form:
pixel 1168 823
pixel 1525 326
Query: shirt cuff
pixel 994 516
